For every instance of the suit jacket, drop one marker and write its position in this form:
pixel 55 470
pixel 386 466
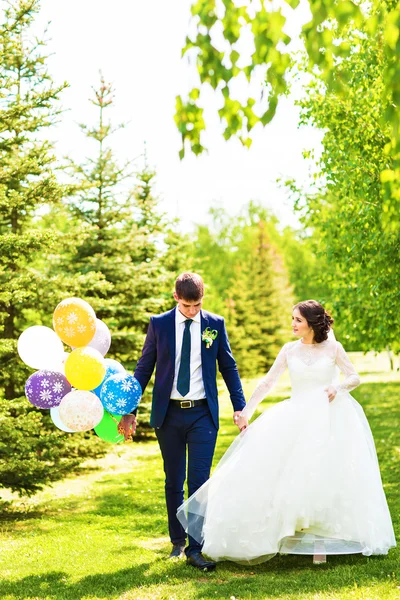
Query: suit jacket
pixel 159 351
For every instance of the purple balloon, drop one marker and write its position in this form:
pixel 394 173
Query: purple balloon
pixel 46 389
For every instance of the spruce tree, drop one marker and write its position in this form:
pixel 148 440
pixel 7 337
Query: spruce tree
pixel 272 297
pixel 118 210
pixel 32 451
pixel 249 282
pixel 126 238
pixel 242 322
pixel 259 304
pixel 30 104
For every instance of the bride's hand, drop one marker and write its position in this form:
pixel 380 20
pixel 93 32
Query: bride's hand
pixel 331 392
pixel 241 422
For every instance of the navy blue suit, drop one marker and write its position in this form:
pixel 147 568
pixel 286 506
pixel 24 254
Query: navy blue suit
pixel 194 428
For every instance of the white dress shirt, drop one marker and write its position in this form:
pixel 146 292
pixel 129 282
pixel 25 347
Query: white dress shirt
pixel 196 390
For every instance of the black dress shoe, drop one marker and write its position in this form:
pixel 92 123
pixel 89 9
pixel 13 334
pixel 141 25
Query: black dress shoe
pixel 197 560
pixel 178 551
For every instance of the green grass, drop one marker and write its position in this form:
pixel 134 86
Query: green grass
pixel 104 534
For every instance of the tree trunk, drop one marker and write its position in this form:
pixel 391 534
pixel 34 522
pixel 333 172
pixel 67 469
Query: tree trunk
pixel 390 356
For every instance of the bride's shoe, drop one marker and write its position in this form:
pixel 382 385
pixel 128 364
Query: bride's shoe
pixel 319 559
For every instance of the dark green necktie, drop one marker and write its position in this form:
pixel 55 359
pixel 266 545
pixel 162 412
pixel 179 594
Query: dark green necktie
pixel 183 383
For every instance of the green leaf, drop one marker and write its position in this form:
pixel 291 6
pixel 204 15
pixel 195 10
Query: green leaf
pixel 387 175
pixel 194 94
pixel 391 34
pixel 346 10
pixel 293 3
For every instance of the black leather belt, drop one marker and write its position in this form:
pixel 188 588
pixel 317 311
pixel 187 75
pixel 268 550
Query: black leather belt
pixel 188 403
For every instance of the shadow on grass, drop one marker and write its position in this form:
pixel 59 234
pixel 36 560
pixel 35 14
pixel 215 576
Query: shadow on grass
pixel 282 576
pixel 56 584
pixel 289 576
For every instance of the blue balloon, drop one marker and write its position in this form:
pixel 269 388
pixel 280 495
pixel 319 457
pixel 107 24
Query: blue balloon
pixel 115 365
pixel 112 368
pixel 121 393
pixel 55 417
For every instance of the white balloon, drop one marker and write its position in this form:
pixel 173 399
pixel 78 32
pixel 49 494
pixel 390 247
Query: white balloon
pixel 40 347
pixel 101 340
pixel 60 368
pixel 81 410
pixel 55 417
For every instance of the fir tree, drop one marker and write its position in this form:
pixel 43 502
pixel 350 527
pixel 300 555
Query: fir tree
pixel 242 322
pixel 250 280
pixel 127 239
pixel 32 451
pixel 29 105
pixel 124 235
pixel 259 304
pixel 272 297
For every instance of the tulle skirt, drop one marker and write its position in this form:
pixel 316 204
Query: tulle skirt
pixel 302 479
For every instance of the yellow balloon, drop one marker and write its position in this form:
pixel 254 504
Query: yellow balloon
pixel 85 368
pixel 74 321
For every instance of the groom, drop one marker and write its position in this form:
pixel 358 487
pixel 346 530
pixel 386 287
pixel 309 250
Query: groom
pixel 185 344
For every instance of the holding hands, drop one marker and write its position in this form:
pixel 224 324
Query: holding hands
pixel 241 422
pixel 127 426
pixel 331 392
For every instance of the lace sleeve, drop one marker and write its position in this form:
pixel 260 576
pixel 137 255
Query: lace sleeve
pixel 351 378
pixel 266 384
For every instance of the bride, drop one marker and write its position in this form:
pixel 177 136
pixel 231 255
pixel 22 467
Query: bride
pixel 303 478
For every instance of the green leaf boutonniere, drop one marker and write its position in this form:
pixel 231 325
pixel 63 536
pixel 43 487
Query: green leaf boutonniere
pixel 208 336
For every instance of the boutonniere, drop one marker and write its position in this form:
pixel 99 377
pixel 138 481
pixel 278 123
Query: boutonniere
pixel 208 336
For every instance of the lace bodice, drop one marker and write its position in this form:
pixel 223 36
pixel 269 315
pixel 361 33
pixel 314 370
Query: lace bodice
pixel 311 367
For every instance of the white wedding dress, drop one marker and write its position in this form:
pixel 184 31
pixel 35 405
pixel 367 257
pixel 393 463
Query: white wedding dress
pixel 303 478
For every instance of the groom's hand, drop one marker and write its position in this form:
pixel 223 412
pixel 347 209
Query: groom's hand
pixel 127 426
pixel 241 422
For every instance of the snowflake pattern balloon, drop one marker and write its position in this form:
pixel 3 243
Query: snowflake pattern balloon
pixel 46 389
pixel 121 393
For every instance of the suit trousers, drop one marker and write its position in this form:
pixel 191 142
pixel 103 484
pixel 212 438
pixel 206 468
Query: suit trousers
pixel 190 431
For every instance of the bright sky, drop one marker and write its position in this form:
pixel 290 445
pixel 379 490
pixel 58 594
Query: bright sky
pixel 137 45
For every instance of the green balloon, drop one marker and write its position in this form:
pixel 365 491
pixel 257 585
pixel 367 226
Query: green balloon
pixel 107 429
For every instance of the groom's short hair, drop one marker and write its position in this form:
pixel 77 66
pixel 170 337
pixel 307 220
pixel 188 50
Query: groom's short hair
pixel 189 286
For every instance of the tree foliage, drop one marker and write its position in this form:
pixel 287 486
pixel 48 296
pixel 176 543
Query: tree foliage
pixel 220 46
pixel 125 237
pixel 347 209
pixel 32 451
pixel 29 104
pixel 247 281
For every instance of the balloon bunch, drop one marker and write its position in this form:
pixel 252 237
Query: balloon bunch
pixel 82 389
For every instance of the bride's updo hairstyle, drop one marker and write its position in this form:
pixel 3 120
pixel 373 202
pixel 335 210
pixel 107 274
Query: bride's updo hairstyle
pixel 317 318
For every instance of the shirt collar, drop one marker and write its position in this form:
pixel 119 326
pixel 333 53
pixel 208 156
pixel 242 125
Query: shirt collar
pixel 180 318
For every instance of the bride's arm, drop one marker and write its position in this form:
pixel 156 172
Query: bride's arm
pixel 352 378
pixel 266 384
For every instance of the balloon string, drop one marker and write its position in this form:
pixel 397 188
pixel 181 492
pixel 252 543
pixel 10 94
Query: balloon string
pixel 114 419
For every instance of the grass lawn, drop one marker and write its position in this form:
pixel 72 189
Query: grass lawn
pixel 104 534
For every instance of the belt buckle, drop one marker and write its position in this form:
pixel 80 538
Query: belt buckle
pixel 186 404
